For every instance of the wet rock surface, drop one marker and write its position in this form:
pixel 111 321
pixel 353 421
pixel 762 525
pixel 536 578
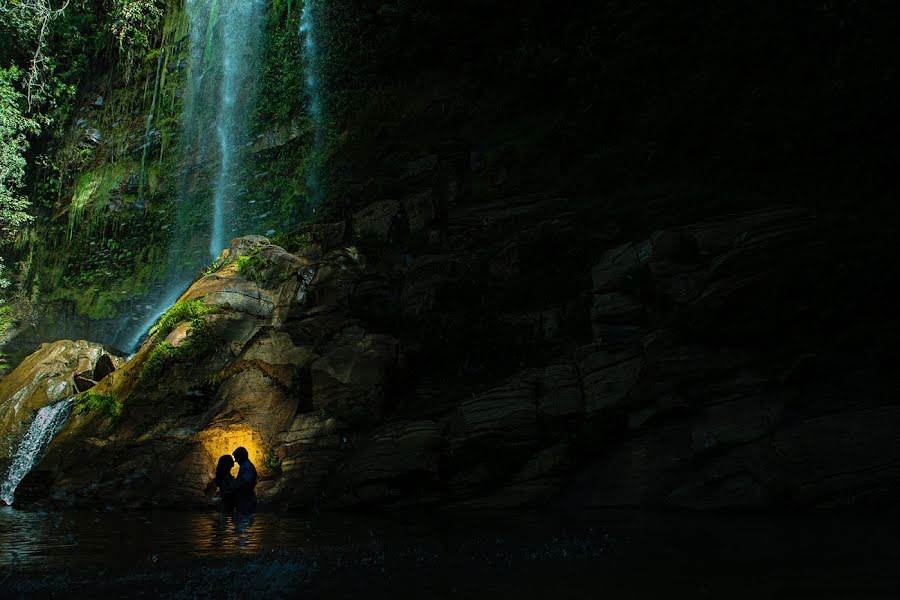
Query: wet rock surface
pixel 55 372
pixel 685 370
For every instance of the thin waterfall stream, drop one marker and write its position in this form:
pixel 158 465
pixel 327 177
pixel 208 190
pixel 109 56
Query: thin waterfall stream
pixel 223 66
pixel 47 423
pixel 313 83
pixel 234 55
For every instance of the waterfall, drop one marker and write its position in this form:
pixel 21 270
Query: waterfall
pixel 226 38
pixel 222 69
pixel 169 297
pixel 46 424
pixel 314 96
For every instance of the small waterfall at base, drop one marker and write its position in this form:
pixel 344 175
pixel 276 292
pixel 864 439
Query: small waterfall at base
pixel 46 424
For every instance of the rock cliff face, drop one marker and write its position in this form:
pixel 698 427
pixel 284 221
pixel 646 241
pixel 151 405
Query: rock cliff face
pixel 689 370
pixel 56 371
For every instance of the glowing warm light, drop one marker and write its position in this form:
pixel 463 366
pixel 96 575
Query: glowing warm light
pixel 224 440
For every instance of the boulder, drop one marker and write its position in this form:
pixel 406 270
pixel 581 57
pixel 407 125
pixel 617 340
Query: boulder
pixel 399 458
pixel 335 279
pixel 278 348
pixel 536 483
pixel 55 372
pixel 376 219
pixel 494 425
pixel 640 472
pixel 312 446
pixel 419 208
pixel 608 379
pixel 614 265
pixel 558 392
pixel 425 278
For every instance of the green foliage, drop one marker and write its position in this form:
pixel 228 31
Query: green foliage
pixel 6 322
pixel 14 127
pixel 162 355
pixel 132 22
pixel 282 86
pixel 271 462
pixel 212 268
pixel 186 310
pixel 107 406
pixel 200 340
pixel 292 240
pixel 254 266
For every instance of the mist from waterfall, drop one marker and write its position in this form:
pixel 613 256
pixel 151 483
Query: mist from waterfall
pixel 224 61
pixel 47 423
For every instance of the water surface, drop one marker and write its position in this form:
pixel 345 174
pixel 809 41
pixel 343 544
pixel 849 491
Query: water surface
pixel 611 555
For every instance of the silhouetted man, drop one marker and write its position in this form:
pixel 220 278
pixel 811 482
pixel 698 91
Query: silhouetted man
pixel 244 495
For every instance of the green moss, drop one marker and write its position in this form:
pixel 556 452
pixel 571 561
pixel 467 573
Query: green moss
pixel 107 406
pixel 254 266
pixel 160 357
pixel 93 188
pixel 187 310
pixel 200 340
pixel 243 263
pixel 104 307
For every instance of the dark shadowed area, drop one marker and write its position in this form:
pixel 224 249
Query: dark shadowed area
pixel 510 298
pixel 613 555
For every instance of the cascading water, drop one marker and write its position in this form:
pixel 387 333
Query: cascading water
pixel 230 52
pixel 223 66
pixel 46 424
pixel 314 95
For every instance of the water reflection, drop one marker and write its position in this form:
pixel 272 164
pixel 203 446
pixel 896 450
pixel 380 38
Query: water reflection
pixel 234 532
pixel 521 556
pixel 40 538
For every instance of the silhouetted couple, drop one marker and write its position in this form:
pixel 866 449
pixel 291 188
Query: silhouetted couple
pixel 237 493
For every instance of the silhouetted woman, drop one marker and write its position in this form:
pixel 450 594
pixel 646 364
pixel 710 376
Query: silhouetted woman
pixel 226 483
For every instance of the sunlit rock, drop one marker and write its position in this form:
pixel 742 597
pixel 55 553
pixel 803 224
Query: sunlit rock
pixel 47 376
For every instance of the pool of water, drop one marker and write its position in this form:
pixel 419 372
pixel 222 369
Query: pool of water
pixel 610 555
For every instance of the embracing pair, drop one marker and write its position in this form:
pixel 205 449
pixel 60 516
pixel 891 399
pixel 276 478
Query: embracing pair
pixel 237 493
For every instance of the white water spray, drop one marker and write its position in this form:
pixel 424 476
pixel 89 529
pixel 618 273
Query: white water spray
pixel 235 31
pixel 46 424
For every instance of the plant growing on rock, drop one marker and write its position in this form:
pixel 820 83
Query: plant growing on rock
pixel 254 266
pixel 107 406
pixel 200 339
pixel 293 240
pixel 186 310
pixel 271 462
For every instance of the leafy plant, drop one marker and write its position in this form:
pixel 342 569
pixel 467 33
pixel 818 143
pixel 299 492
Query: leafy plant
pixel 188 310
pixel 105 405
pixel 14 127
pixel 293 240
pixel 271 462
pixel 200 340
pixel 160 357
pixel 254 266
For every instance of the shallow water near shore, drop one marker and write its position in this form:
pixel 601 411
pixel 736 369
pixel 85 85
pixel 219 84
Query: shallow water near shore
pixel 521 555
